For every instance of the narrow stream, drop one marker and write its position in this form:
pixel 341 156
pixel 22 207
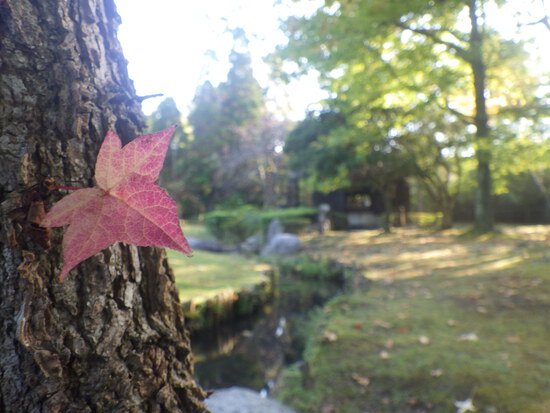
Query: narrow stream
pixel 250 352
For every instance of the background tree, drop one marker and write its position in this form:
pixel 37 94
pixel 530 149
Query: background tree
pixel 112 336
pixel 436 148
pixel 321 161
pixel 167 114
pixel 230 158
pixel 241 110
pixel 403 58
pixel 200 158
pixel 525 161
pixel 534 12
pixel 332 154
pixel 270 163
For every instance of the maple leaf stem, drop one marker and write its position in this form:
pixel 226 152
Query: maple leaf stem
pixel 70 188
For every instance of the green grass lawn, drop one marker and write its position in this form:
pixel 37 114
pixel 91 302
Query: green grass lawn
pixel 450 316
pixel 207 274
pixel 195 230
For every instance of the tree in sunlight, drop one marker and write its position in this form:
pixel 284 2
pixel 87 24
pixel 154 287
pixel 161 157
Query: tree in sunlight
pixel 229 158
pixel 431 68
pixel 167 114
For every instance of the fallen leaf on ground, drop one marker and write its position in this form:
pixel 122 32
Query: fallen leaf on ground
pixel 468 337
pixel 327 408
pixel 513 339
pixel 413 401
pixel 474 296
pixel 510 293
pixel 380 323
pixel 329 336
pixel 361 380
pixel 345 307
pixel 535 283
pixel 358 325
pixel 436 372
pixel 464 406
pixel 482 310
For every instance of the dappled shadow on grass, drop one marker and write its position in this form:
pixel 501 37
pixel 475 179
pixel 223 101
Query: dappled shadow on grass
pixel 449 317
pixel 416 252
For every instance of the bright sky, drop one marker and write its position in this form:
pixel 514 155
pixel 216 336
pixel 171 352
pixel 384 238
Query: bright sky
pixel 167 41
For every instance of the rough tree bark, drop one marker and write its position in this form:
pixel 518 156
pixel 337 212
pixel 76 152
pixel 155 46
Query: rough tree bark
pixel 111 338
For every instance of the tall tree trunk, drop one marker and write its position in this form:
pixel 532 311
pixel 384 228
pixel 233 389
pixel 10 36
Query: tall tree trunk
pixel 483 202
pixel 386 219
pixel 111 338
pixel 544 194
pixel 447 206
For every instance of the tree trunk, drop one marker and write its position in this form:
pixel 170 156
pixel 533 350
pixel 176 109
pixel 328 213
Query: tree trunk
pixel 483 202
pixel 111 338
pixel 386 219
pixel 539 184
pixel 447 206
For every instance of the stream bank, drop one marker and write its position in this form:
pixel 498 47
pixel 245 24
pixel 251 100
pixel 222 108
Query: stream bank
pixel 245 338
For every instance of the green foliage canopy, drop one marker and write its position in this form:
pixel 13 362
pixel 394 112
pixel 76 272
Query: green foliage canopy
pixel 421 78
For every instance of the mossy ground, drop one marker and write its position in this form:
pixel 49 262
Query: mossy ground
pixel 450 316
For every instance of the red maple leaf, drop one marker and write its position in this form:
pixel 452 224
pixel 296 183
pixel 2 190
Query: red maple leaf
pixel 126 205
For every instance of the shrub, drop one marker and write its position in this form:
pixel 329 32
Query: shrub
pixel 236 225
pixel 294 220
pixel 309 268
pixel 233 226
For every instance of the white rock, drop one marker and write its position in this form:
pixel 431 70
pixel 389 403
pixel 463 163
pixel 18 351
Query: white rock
pixel 282 244
pixel 241 400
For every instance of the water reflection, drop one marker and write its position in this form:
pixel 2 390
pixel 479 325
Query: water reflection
pixel 250 352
